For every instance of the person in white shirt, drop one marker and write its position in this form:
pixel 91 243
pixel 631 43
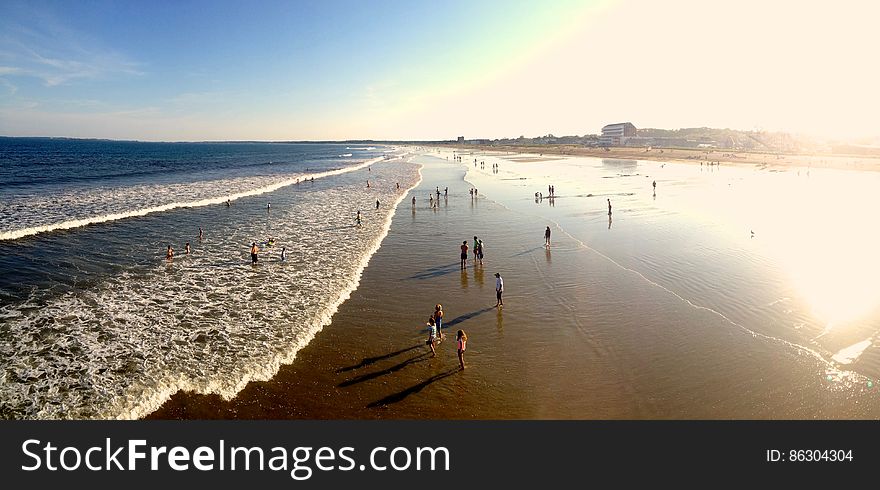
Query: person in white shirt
pixel 499 289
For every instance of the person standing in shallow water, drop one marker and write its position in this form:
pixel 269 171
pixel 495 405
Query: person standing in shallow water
pixel 169 254
pixel 609 207
pixel 499 290
pixel 254 251
pixel 476 249
pixel 464 253
pixel 461 338
pixel 438 320
pixel 432 336
pixel 186 249
pixel 377 204
pixel 547 237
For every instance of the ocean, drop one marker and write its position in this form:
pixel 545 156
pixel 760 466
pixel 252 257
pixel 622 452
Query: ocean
pixel 96 323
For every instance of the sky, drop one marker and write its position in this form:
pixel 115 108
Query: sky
pixel 429 70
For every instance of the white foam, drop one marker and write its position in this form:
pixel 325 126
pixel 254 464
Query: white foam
pixel 262 188
pixel 849 354
pixel 201 324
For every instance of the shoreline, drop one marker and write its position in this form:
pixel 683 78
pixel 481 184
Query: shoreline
pixel 570 342
pixel 688 156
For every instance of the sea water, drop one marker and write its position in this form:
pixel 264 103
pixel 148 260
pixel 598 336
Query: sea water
pixel 96 323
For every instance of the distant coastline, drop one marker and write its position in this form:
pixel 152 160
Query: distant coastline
pixel 692 155
pixel 844 161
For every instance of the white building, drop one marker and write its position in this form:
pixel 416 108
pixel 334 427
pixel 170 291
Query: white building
pixel 616 134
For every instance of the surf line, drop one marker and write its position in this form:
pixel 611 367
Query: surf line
pixel 830 366
pixel 76 223
pixel 122 408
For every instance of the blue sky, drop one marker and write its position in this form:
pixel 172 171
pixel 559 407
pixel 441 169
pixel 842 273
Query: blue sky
pixel 411 70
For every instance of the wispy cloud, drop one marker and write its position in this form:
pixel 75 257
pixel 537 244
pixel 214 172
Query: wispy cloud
pixel 57 55
pixel 7 87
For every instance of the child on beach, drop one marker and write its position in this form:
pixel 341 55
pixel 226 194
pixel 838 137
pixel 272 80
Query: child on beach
pixel 461 338
pixel 432 336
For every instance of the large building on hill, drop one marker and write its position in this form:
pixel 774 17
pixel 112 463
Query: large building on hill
pixel 616 134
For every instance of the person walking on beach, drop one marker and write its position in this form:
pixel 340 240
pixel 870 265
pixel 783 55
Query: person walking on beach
pixel 547 237
pixel 609 207
pixel 398 185
pixel 254 251
pixel 499 290
pixel 461 339
pixel 464 252
pixel 169 254
pixel 268 206
pixel 414 201
pixel 432 336
pixel 358 218
pixel 186 249
pixel 377 204
pixel 283 254
pixel 480 251
pixel 438 320
pixel 368 184
pixel 446 192
pixel 200 233
pixel 655 186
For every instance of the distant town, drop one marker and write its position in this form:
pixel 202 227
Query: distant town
pixel 626 134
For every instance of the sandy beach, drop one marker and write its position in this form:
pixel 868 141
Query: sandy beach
pixel 684 155
pixel 581 335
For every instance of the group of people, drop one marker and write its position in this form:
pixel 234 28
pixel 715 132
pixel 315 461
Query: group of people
pixel 255 250
pixel 478 252
pixel 169 252
pixel 435 335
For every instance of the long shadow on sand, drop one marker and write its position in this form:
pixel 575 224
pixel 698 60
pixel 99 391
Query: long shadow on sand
pixel 465 317
pixel 400 395
pixel 383 372
pixel 436 271
pixel 372 360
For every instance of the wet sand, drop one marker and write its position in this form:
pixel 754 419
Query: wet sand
pixel 692 156
pixel 579 336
